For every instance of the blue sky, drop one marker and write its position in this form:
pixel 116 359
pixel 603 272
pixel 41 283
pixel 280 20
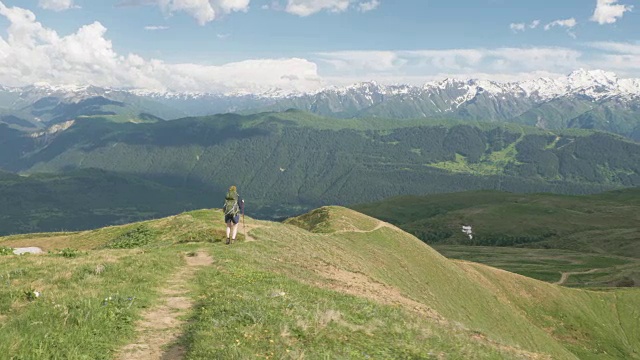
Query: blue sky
pixel 256 45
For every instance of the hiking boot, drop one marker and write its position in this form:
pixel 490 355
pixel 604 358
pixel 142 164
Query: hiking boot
pixel 228 241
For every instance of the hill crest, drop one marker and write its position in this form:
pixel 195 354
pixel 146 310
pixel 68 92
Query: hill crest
pixel 360 270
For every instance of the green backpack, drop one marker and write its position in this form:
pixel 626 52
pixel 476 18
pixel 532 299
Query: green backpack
pixel 231 204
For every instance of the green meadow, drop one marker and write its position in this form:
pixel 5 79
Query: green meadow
pixel 333 283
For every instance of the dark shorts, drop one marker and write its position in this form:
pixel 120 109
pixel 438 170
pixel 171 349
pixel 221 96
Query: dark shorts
pixel 230 218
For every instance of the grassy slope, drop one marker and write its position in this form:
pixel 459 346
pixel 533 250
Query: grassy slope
pixel 594 232
pixel 345 285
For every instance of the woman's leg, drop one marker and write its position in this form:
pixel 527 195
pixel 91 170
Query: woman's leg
pixel 235 231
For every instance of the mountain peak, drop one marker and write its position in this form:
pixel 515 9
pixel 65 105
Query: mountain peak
pixel 590 77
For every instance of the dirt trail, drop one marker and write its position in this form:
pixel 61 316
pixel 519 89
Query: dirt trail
pixel 161 325
pixel 247 227
pixel 565 275
pixel 379 226
pixel 358 284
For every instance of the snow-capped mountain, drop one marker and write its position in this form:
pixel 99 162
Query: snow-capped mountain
pixel 585 99
pixel 590 99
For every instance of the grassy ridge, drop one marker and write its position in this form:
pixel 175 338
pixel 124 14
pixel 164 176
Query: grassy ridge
pixel 352 288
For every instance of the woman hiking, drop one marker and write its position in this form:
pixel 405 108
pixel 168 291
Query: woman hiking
pixel 233 205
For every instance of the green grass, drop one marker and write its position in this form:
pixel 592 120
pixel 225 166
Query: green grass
pixel 549 264
pixel 265 315
pixel 83 311
pixel 356 289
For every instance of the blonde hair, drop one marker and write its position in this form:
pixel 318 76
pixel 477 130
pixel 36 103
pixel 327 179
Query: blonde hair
pixel 233 188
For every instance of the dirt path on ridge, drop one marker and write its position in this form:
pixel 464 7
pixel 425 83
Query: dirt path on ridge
pixel 565 275
pixel 161 325
pixel 246 229
pixel 380 225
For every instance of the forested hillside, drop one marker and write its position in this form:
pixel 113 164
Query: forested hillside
pixel 87 199
pixel 602 223
pixel 287 162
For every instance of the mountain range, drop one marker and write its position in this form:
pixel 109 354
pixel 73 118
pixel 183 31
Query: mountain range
pixel 583 99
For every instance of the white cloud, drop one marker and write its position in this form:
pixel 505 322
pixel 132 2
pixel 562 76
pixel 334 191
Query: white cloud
pixel 222 36
pixel 32 53
pixel 616 47
pixel 309 7
pixel 567 23
pixel 515 27
pixel 377 61
pixel 203 11
pixel 56 5
pixel 521 27
pixel 608 11
pixel 505 64
pixel 156 27
pixel 368 6
pixel 623 58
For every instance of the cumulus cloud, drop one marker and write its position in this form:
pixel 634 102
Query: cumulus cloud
pixel 368 6
pixel 203 11
pixel 608 11
pixel 534 24
pixel 56 5
pixel 309 7
pixel 32 53
pixel 567 23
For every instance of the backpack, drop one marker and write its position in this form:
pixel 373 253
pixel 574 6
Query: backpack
pixel 231 204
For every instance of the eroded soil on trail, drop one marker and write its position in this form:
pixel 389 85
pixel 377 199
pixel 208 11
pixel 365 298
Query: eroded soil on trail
pixel 361 285
pixel 246 228
pixel 565 275
pixel 162 325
